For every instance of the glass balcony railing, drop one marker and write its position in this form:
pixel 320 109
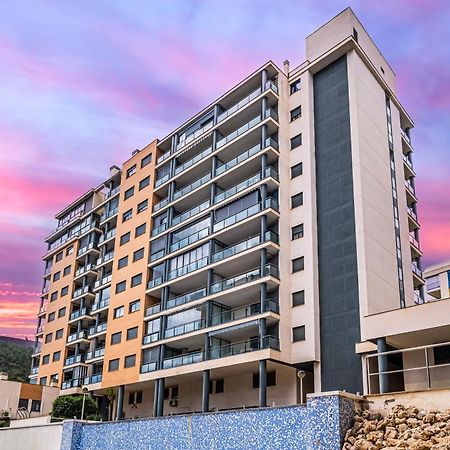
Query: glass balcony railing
pixel 97 378
pixel 416 270
pixel 188 268
pixel 184 328
pixel 81 312
pixel 242 215
pixel 245 101
pixel 191 212
pixel 414 242
pixel 40 329
pixel 244 245
pixel 75 359
pixel 410 187
pixel 150 338
pixel 191 137
pixel 97 353
pixel 34 370
pixel 76 336
pixel 190 162
pixel 190 187
pixel 183 360
pixel 159 229
pixel 110 234
pixel 100 305
pixel 238 132
pixel 406 137
pixel 189 239
pixel 249 345
pixel 238 159
pixel 157 255
pixel 244 278
pixel 163 157
pixel 87 248
pixel 108 257
pixel 84 269
pixel 76 382
pixel 100 328
pixel 162 180
pixel 164 202
pixel 152 310
pixel 433 283
pixel 103 281
pixel 37 349
pixel 408 162
pixel 271 113
pixel 82 291
pixel 412 214
pixel 155 282
pixel 113 192
pixel 148 367
pixel 271 85
pixel 186 298
pixel 109 214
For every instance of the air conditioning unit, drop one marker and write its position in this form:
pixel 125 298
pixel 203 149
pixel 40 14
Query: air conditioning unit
pixel 173 402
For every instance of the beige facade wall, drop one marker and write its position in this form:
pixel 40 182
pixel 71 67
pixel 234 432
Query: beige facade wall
pixel 44 437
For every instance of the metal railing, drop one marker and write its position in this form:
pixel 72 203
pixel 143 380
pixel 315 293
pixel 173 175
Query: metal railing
pixel 414 241
pixel 165 201
pixel 86 248
pixel 238 159
pixel 112 192
pixel 109 214
pixel 183 360
pixel 419 369
pixel 152 310
pixel 416 270
pixel 82 291
pixel 194 135
pixel 150 338
pixel 159 229
pixel 76 382
pixel 433 283
pixel 236 133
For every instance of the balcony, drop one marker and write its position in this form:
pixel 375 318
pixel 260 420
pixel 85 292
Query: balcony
pixel 97 353
pixel 47 272
pixel 416 270
pixel 244 102
pixel 112 192
pixel 97 306
pixel 40 329
pixel 188 268
pixel 412 214
pixel 75 359
pixel 97 329
pixel 415 243
pixel 80 313
pixel 238 159
pixel 103 281
pixel 191 137
pixel 150 338
pixel 164 202
pixel 183 360
pixel 148 367
pixel 190 187
pixel 244 278
pixel 152 310
pixel 93 379
pixel 77 336
pixel 249 345
pixel 107 236
pixel 37 349
pixel 242 215
pixel 189 240
pixel 84 269
pixel 104 259
pixel 88 248
pixel 186 298
pixel 110 214
pixel 159 229
pixel 190 162
pixel 34 371
pixel 68 384
pixel 82 291
pixel 42 310
pixel 66 223
pixel 405 137
pixel 190 213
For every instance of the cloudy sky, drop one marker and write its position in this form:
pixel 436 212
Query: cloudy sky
pixel 84 83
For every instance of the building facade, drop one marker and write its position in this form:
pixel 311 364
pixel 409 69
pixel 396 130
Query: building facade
pixel 249 244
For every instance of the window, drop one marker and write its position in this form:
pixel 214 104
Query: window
pixel 298 334
pixel 142 206
pixel 296 141
pixel 298 264
pixel 296 113
pixel 295 86
pixel 355 34
pixel 56 356
pixel 138 254
pixel 131 171
pixel 140 230
pixel 118 312
pixel 144 183
pixel 116 338
pixel 136 280
pixel 64 291
pixel 297 232
pixel 271 379
pixel 69 250
pixel 135 398
pixel 45 359
pixel 146 160
pixel 56 276
pixel 130 361
pixel 128 193
pixel 216 386
pixel 59 256
pixel 296 170
pixel 134 306
pixel 120 287
pixel 66 271
pixel 123 262
pixel 127 215
pixel 51 317
pixel 43 381
pixel 48 338
pixel 125 238
pixel 54 296
pixel 35 406
pixel 298 298
pixel 59 334
pixel 132 333
pixel 23 403
pixel 62 312
pixel 297 200
pixel 442 354
pixel 113 365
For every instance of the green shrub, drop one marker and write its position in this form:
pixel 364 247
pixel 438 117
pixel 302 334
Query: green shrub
pixel 69 406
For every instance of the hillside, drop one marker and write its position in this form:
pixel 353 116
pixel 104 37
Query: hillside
pixel 15 358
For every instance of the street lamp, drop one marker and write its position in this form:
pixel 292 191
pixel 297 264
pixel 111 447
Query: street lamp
pixel 84 391
pixel 301 374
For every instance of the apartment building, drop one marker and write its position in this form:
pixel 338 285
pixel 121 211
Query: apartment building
pixel 253 242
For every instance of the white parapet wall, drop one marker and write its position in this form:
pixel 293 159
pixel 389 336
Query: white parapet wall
pixel 36 437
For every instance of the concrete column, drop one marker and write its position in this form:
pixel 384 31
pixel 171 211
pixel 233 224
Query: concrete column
pixel 263 195
pixel 162 352
pixel 263 260
pixel 263 135
pixel 262 383
pixel 214 139
pixel 208 313
pixel 262 332
pixel 160 406
pixel 173 143
pixel 210 281
pixel 263 164
pixel 263 228
pixel 164 297
pixel 214 164
pixel 120 395
pixel 263 107
pixel 216 113
pixel 205 391
pixel 213 192
pixel 263 296
pixel 162 326
pixel 155 399
pixel 263 79
pixel 206 351
pixel 383 378
pixel 171 190
pixel 169 216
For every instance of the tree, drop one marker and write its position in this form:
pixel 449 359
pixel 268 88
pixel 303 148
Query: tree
pixel 69 406
pixel 111 395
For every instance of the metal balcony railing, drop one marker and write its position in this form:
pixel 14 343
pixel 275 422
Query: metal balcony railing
pixel 97 353
pixel 81 312
pixel 97 378
pixel 75 359
pixel 76 336
pixel 100 328
pixel 100 305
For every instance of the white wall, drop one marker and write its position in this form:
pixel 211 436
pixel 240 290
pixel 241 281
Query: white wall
pixel 44 437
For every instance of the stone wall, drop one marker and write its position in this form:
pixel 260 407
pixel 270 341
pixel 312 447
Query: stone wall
pixel 321 424
pixel 404 428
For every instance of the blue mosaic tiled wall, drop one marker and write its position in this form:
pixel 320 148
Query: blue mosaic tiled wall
pixel 319 425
